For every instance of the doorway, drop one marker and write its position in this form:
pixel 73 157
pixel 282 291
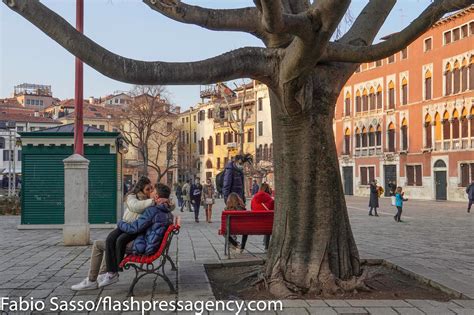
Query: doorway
pixel 347 174
pixel 390 175
pixel 441 183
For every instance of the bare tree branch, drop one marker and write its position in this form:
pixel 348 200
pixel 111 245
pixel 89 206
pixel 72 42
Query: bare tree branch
pixel 351 53
pixel 252 62
pixel 212 19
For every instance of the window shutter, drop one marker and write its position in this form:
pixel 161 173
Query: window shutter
pixel 363 175
pixel 419 175
pixel 371 173
pixel 464 175
pixel 410 175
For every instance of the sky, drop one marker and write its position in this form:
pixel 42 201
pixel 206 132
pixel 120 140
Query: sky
pixel 130 28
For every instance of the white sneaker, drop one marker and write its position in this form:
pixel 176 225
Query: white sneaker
pixel 108 279
pixel 85 284
pixel 101 277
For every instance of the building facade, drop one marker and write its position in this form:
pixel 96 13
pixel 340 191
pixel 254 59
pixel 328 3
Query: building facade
pixel 188 158
pixel 408 118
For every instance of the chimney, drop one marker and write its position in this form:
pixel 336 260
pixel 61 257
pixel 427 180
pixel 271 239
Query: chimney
pixel 91 100
pixel 37 114
pixel 177 109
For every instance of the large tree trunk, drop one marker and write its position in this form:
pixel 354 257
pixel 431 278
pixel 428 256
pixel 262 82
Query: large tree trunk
pixel 312 247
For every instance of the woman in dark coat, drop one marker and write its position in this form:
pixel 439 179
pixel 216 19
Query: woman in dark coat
pixel 374 198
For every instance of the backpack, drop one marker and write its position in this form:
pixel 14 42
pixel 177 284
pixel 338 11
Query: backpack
pixel 220 181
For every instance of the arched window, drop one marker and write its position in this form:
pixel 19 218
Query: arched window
pixel 455 123
pixel 250 135
pixel 358 107
pixel 472 122
pixel 209 164
pixel 201 146
pixel 391 137
pixel 365 101
pixel 230 136
pixel 428 136
pixel 270 154
pixel 428 85
pixel 226 138
pixel 471 74
pixel 456 78
pixel 379 136
pixel 347 109
pixel 372 104
pixel 438 130
pixel 210 146
pixel 448 74
pixel 169 151
pixel 265 152
pixel 347 142
pixel 379 97
pixel 440 163
pixel 464 75
pixel 2 143
pixel 404 91
pixel 404 131
pixel 364 137
pixel 446 126
pixel 371 136
pixel 357 138
pixel 464 124
pixel 259 153
pixel 391 95
pixel 218 138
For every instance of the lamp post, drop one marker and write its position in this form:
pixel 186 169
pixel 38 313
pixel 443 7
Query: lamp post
pixel 76 230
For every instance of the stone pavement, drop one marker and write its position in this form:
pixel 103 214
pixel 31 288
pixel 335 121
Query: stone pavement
pixel 435 241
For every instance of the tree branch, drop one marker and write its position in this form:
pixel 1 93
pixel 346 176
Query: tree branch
pixel 351 53
pixel 251 62
pixel 212 19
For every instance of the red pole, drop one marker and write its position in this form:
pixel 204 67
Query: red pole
pixel 78 95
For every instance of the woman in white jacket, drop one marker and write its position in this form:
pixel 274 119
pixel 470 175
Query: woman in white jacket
pixel 136 201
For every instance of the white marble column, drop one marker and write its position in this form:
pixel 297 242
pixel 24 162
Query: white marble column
pixel 76 196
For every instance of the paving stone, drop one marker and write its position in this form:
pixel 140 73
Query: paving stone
pixel 294 303
pixel 316 303
pixel 436 310
pixel 378 303
pixel 337 303
pixel 465 303
pixel 381 311
pixel 350 310
pixel 294 311
pixel 321 311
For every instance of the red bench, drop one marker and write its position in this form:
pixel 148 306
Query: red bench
pixel 245 223
pixel 144 265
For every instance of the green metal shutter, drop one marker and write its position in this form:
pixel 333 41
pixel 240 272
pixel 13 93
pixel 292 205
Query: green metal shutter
pixel 43 189
pixel 102 188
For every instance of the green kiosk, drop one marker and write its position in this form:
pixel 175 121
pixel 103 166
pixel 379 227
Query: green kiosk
pixel 42 193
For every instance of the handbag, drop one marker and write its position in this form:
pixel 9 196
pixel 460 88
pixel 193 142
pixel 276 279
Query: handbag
pixel 209 201
pixel 394 200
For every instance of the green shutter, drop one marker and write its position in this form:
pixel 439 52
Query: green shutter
pixel 102 188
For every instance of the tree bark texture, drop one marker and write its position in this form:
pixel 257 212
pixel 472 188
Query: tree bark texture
pixel 312 243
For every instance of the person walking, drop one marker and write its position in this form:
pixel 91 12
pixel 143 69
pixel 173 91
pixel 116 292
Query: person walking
pixel 374 198
pixel 234 178
pixel 208 192
pixel 185 193
pixel 255 187
pixel 179 194
pixel 399 199
pixel 470 196
pixel 196 193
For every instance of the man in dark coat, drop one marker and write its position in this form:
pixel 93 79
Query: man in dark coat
pixel 470 196
pixel 234 178
pixel 150 226
pixel 196 193
pixel 255 187
pixel 374 197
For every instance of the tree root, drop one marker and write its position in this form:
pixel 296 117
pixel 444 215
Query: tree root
pixel 355 283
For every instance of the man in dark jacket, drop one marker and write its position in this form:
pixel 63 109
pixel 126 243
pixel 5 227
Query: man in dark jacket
pixel 255 187
pixel 196 193
pixel 150 226
pixel 470 196
pixel 234 178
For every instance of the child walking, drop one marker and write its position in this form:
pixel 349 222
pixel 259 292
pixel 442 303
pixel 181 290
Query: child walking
pixel 399 199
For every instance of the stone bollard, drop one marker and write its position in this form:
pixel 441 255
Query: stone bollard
pixel 76 196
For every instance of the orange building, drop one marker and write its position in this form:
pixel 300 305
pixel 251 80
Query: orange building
pixel 409 118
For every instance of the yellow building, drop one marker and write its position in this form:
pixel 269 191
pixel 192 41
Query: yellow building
pixel 187 144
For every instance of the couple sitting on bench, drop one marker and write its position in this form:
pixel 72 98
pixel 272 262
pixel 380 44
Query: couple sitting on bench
pixel 262 201
pixel 145 221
